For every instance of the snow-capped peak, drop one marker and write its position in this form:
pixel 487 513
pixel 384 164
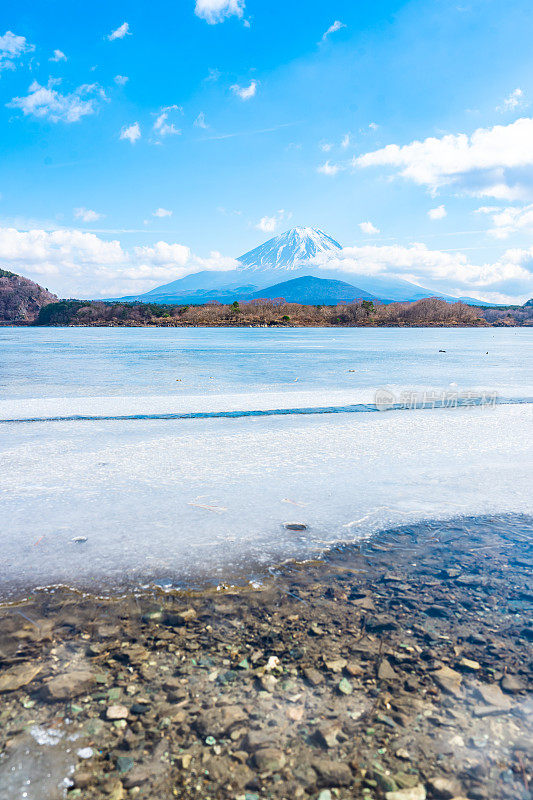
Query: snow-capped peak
pixel 289 250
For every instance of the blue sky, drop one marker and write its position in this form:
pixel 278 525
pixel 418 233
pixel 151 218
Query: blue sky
pixel 142 141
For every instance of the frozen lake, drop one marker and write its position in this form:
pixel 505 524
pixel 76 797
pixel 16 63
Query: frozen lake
pixel 180 500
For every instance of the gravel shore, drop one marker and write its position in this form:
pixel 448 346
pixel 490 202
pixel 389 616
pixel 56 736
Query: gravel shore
pixel 399 669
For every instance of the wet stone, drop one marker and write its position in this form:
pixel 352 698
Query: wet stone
pixel 269 760
pixel 70 684
pixel 386 672
pixel 332 773
pixel 117 712
pixel 448 680
pixel 512 685
pixel 313 676
pixel 492 695
pixel 444 788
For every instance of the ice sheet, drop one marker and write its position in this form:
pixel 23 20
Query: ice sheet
pixel 196 499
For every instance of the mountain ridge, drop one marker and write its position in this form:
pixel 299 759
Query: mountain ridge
pixel 291 253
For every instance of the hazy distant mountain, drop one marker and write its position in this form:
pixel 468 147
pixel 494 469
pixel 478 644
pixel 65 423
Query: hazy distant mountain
pixel 288 256
pixel 314 291
pixel 20 298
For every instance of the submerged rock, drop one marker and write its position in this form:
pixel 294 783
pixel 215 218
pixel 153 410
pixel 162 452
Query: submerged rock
pixel 67 685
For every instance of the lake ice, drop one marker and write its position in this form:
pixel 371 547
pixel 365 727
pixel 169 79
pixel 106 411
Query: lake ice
pixel 186 500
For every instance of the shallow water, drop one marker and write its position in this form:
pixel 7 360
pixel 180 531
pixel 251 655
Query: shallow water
pixel 184 500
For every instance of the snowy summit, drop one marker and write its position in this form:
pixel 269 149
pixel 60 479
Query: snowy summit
pixel 289 250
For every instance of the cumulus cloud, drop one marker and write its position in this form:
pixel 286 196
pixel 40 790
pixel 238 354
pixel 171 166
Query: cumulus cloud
pixel 121 80
pixel 333 28
pixel 131 132
pixel 509 220
pixel 245 92
pixel 162 126
pixel 11 48
pixel 513 101
pixel 58 56
pixel 346 141
pixel 122 31
pixel 47 102
pixel 75 263
pixel 329 169
pixel 509 276
pixel 87 214
pixel 368 227
pixel 161 212
pixel 271 224
pixel 214 11
pixel 491 162
pixel 437 213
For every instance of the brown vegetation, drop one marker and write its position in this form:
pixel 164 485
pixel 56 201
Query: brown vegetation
pixel 430 311
pixel 20 298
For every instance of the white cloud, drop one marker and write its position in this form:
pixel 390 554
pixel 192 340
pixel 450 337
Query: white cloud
pixel 267 224
pixel 46 102
pixel 491 162
pixel 437 213
pixel 511 275
pixel 200 122
pixel 214 11
pixel 212 75
pixel 75 263
pixel 122 31
pixel 11 48
pixel 506 221
pixel 326 147
pixel 58 56
pixel 329 169
pixel 271 224
pixel 368 227
pixel 121 80
pixel 336 26
pixel 86 214
pixel 345 141
pixel 162 126
pixel 245 92
pixel 131 132
pixel 515 100
pixel 164 253
pixel 161 212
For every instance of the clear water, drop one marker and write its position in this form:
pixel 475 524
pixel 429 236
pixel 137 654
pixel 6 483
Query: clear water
pixel 180 500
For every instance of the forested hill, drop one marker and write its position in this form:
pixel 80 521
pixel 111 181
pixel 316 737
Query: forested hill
pixel 21 299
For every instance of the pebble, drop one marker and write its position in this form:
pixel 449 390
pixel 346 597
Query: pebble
pixel 415 793
pixel 492 695
pixel 444 788
pixel 386 672
pixel 67 685
pixel 345 687
pixel 512 685
pixel 449 681
pixel 117 712
pixel 269 759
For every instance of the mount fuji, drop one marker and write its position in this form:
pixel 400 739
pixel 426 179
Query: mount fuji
pixel 279 262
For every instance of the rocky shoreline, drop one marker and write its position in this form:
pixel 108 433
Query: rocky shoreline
pixel 399 669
